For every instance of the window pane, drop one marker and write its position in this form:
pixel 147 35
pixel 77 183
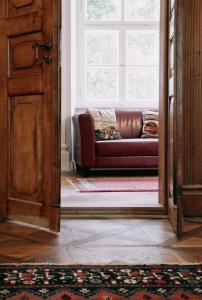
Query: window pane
pixel 101 84
pixel 142 85
pixel 142 10
pixel 142 47
pixel 103 10
pixel 102 47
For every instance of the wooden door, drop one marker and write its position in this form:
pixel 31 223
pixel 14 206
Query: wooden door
pixel 30 112
pixel 174 127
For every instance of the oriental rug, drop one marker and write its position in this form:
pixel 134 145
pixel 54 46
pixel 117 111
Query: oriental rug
pixel 141 282
pixel 137 184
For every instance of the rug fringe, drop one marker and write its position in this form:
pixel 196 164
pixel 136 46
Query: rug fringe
pixel 102 265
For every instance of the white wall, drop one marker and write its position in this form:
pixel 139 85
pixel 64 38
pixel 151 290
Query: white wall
pixel 66 81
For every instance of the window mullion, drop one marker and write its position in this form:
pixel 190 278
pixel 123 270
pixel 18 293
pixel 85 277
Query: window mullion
pixel 81 66
pixel 122 66
pixel 122 10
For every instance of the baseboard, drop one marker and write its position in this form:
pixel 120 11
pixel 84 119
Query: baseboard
pixel 192 200
pixel 65 164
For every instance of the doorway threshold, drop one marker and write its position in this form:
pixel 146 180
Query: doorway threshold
pixel 113 212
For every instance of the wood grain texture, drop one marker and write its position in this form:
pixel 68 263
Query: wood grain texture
pixel 173 199
pixel 3 113
pixel 23 58
pixel 18 8
pixel 21 3
pixel 191 93
pixel 30 112
pixel 94 242
pixel 192 76
pixel 163 103
pixel 25 85
pixel 26 148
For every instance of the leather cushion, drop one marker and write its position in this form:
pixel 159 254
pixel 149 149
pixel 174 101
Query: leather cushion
pixel 129 123
pixel 127 147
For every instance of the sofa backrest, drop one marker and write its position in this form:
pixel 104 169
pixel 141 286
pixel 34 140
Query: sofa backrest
pixel 130 123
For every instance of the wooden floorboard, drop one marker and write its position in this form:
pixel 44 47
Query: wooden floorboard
pixel 101 242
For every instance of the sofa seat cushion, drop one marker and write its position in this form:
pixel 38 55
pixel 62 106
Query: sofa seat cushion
pixel 127 147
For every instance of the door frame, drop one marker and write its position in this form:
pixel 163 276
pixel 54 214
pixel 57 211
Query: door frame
pixel 163 111
pixel 151 211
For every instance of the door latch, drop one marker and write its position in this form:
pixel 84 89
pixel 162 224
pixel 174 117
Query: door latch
pixel 48 58
pixel 46 46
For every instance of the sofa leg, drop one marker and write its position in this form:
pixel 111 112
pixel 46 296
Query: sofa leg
pixel 85 172
pixel 78 168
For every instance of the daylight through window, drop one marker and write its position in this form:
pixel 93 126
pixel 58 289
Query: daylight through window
pixel 118 53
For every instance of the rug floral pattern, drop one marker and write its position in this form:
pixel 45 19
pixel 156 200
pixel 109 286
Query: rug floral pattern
pixel 137 184
pixel 157 282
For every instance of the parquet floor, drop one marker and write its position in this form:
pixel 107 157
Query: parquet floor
pixel 101 242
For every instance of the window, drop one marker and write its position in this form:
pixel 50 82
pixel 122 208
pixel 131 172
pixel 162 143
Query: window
pixel 118 53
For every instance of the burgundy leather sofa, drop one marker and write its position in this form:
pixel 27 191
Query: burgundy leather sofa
pixel 131 151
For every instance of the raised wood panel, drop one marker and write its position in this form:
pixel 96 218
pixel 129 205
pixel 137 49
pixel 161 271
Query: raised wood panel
pixel 26 148
pixel 192 200
pixel 18 8
pixel 25 85
pixel 192 91
pixel 24 59
pixel 192 203
pixel 30 213
pixel 21 3
pixel 27 24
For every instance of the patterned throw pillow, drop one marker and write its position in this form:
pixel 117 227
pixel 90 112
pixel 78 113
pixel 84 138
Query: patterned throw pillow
pixel 105 124
pixel 150 127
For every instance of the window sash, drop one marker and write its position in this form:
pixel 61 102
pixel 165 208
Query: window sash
pixel 122 21
pixel 122 28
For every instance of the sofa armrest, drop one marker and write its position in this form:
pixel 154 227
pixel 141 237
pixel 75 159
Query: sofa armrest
pixel 84 146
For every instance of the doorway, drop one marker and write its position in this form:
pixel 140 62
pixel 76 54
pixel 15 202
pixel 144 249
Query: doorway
pixel 30 114
pixel 150 201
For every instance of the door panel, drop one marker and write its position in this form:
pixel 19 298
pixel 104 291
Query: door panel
pixel 30 112
pixel 174 196
pixel 18 8
pixel 22 56
pixel 26 148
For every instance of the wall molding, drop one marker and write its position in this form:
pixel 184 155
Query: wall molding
pixel 65 163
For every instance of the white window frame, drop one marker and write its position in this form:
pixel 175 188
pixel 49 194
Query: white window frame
pixel 122 27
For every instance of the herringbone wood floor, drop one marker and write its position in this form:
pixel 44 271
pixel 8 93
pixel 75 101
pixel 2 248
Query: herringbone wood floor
pixel 101 242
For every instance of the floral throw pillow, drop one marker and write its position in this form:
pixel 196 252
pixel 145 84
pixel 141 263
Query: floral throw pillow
pixel 150 127
pixel 106 127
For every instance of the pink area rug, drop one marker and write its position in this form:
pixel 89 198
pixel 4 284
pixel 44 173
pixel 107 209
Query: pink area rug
pixel 137 184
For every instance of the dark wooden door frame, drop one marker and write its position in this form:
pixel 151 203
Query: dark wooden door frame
pixel 163 104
